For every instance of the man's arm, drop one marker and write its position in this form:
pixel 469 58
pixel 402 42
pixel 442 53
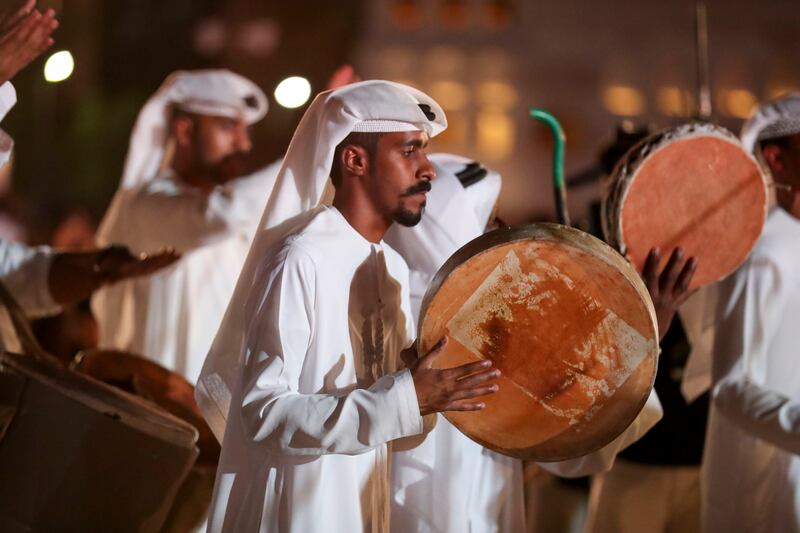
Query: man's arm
pixel 273 410
pixel 742 354
pixel 275 413
pixel 759 411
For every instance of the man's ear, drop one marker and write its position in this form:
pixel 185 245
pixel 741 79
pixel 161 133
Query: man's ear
pixel 355 160
pixel 182 130
pixel 774 158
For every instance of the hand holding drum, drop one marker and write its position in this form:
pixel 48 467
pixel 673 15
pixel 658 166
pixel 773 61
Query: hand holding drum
pixel 450 389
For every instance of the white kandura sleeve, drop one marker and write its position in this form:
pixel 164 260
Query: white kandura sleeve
pixel 603 459
pixel 8 98
pixel 759 411
pixel 755 310
pixel 25 271
pixel 279 347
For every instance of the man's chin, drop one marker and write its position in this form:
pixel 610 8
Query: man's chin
pixel 408 218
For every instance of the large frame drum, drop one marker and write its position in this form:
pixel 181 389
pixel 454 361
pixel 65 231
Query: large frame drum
pixel 692 186
pixel 77 455
pixel 568 322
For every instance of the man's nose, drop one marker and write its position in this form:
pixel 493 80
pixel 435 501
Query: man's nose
pixel 243 142
pixel 427 171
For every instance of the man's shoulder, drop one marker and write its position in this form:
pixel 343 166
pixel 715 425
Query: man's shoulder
pixel 777 253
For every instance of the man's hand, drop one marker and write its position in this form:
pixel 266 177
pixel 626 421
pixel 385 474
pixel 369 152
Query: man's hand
pixel 76 275
pixel 116 263
pixel 24 35
pixel 670 288
pixel 450 389
pixel 344 75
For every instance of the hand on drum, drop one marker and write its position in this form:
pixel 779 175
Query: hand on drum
pixel 451 389
pixel 669 288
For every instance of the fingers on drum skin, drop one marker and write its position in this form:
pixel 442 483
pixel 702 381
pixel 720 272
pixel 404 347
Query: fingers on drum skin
pixel 464 371
pixel 478 379
pixel 682 285
pixel 650 272
pixel 463 405
pixel 473 392
pixel 671 270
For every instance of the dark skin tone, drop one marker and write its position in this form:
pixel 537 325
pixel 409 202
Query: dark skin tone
pixel 669 288
pixel 784 165
pixel 74 276
pixel 386 188
pixel 24 35
pixel 210 150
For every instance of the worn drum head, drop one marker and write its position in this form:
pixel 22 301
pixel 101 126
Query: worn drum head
pixel 569 324
pixel 692 186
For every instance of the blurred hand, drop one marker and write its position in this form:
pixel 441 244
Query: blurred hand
pixel 116 263
pixel 451 389
pixel 344 75
pixel 669 288
pixel 74 276
pixel 24 35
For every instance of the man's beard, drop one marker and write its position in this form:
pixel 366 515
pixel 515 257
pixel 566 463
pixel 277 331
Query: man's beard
pixel 406 217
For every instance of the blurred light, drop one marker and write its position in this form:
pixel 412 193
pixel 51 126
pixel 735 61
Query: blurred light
pixel 293 92
pixel 397 62
pixel 777 90
pixel 495 135
pixel 59 66
pixel 258 38
pixel 623 101
pixel 497 95
pixel 451 95
pixel 736 103
pixel 673 101
pixel 492 63
pixel 209 36
pixel 447 61
pixel 454 138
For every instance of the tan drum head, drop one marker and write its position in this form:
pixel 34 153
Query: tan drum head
pixel 569 324
pixel 692 186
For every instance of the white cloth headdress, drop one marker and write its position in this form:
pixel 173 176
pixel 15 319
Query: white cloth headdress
pixel 772 120
pixel 368 106
pixel 220 93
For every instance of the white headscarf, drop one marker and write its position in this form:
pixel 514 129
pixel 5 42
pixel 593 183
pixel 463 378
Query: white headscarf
pixel 368 106
pixel 454 215
pixel 220 93
pixel 772 120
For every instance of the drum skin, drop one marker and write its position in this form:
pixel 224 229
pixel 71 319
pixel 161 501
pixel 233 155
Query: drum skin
pixel 566 320
pixel 692 186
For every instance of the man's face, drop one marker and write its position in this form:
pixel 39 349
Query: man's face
pixel 784 165
pixel 220 146
pixel 400 175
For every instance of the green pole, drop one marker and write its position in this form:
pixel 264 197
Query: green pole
pixel 559 139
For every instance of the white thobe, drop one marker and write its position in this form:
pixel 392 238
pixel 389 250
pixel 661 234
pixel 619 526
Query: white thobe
pixel 751 467
pixel 172 315
pixel 8 98
pixel 320 393
pixel 25 272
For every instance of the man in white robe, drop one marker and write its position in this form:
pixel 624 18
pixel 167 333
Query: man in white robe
pixel 752 468
pixel 450 483
pixel 183 188
pixel 306 368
